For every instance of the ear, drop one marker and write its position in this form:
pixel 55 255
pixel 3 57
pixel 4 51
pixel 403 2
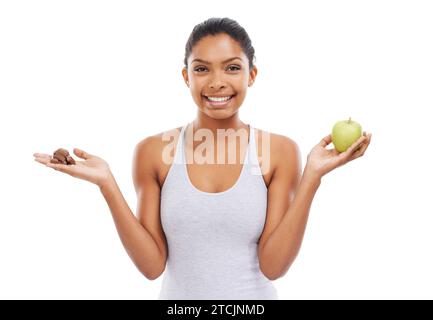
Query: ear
pixel 252 76
pixel 185 75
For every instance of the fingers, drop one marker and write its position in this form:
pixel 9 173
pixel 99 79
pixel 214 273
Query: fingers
pixel 358 148
pixel 42 160
pixel 359 152
pixel 82 154
pixel 46 160
pixel 42 157
pixel 325 141
pixel 356 144
pixel 69 169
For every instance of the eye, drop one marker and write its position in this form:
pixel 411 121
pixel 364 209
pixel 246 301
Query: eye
pixel 196 69
pixel 234 66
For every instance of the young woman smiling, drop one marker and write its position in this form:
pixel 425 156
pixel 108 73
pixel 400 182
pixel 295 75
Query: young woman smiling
pixel 215 230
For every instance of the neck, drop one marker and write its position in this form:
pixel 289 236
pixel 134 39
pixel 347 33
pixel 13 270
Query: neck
pixel 202 121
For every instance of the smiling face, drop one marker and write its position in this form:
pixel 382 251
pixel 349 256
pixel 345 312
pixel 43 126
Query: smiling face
pixel 218 75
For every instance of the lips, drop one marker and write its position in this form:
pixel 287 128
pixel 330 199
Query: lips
pixel 218 103
pixel 218 96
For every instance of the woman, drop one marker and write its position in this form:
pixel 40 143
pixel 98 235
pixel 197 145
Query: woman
pixel 216 230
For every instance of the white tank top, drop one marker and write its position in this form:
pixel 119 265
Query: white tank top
pixel 213 237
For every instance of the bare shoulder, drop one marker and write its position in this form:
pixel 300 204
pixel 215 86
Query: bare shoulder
pixel 283 152
pixel 285 148
pixel 154 144
pixel 149 152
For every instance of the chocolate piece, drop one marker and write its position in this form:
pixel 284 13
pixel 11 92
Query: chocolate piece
pixel 70 160
pixel 64 151
pixel 62 156
pixel 61 153
pixel 58 156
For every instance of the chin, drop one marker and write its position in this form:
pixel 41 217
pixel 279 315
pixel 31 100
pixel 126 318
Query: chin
pixel 220 114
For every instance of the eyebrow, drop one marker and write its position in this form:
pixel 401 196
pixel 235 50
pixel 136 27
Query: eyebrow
pixel 203 61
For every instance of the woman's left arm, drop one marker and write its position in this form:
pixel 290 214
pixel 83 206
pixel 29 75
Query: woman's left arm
pixel 283 233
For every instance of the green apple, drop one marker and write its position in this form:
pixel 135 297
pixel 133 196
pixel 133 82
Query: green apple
pixel 345 133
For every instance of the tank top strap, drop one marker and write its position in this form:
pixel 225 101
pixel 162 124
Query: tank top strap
pixel 178 156
pixel 254 166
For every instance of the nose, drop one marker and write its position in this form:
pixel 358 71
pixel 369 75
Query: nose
pixel 217 81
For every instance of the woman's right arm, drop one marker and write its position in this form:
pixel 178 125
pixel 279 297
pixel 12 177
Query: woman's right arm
pixel 142 238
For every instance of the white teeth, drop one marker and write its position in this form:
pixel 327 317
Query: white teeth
pixel 219 99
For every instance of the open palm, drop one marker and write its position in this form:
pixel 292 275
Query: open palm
pixel 321 160
pixel 93 169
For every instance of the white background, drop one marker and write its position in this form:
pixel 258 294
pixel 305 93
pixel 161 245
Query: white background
pixel 102 75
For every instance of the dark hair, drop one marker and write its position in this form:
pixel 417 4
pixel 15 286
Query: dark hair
pixel 214 26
